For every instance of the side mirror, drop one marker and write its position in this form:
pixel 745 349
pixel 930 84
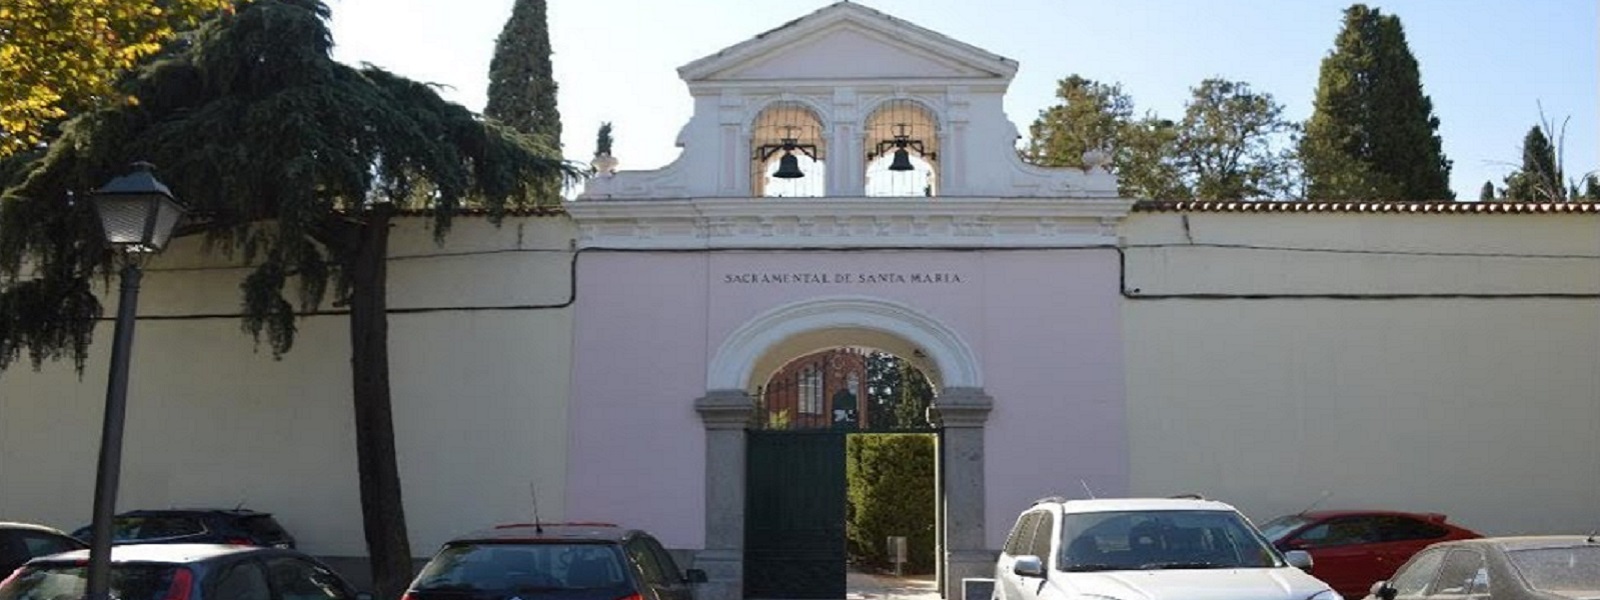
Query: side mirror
pixel 1299 559
pixel 694 576
pixel 1382 591
pixel 1028 566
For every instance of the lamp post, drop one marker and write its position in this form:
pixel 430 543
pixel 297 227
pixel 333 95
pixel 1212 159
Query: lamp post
pixel 137 214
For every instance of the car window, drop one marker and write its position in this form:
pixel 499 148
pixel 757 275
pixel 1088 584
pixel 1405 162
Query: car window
pixel 263 527
pixel 1160 539
pixel 1022 535
pixel 49 582
pixel 1277 528
pixel 1339 532
pixel 1399 529
pixel 641 555
pixel 298 579
pixel 243 580
pixel 1560 570
pixel 519 566
pixel 125 529
pixel 1463 573
pixel 1043 528
pixel 669 567
pixel 1415 576
pixel 40 544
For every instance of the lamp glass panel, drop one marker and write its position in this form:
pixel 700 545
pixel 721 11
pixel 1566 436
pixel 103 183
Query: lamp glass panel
pixel 123 217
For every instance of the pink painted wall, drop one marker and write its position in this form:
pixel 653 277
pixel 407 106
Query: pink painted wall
pixel 1045 325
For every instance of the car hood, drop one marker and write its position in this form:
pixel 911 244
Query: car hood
pixel 1195 584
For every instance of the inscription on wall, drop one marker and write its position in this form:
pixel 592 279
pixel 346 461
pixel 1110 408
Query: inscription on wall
pixel 844 278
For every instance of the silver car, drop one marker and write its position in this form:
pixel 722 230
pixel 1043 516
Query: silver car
pixel 1555 567
pixel 1147 549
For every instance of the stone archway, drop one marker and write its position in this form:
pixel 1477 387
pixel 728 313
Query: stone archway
pixel 961 406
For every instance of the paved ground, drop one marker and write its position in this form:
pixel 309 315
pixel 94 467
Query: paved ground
pixel 865 586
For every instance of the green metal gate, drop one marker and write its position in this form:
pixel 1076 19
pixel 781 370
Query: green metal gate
pixel 795 495
pixel 795 515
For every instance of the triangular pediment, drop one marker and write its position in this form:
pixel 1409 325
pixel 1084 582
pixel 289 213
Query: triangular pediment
pixel 849 41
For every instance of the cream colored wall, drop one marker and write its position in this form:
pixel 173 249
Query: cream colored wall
pixel 1486 409
pixel 479 397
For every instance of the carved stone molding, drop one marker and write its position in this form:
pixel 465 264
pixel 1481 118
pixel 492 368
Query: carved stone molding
pixel 709 223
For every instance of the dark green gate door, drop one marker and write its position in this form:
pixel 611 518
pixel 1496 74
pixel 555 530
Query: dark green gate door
pixel 795 515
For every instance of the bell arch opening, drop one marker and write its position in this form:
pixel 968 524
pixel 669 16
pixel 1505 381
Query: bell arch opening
pixel 902 142
pixel 788 152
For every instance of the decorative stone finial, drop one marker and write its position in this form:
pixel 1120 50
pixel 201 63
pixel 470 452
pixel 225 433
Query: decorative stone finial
pixel 1095 158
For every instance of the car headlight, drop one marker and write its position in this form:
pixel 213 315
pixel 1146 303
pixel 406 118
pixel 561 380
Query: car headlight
pixel 1326 595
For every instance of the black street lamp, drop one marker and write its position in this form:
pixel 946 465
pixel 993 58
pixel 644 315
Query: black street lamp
pixel 138 214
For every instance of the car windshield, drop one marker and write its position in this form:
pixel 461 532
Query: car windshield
pixel 53 582
pixel 1276 529
pixel 1171 539
pixel 523 567
pixel 1575 569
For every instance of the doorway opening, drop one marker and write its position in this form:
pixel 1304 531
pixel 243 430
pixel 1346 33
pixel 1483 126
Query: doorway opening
pixel 842 477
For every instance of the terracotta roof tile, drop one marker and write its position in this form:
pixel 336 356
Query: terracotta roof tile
pixel 1303 206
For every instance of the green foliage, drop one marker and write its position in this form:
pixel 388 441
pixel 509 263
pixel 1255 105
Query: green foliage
pixel 1541 176
pixel 891 489
pixel 282 150
pixel 602 142
pixel 1091 115
pixel 1372 134
pixel 61 58
pixel 1228 146
pixel 898 395
pixel 1486 193
pixel 522 90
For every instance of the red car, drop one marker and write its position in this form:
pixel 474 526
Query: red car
pixel 1351 549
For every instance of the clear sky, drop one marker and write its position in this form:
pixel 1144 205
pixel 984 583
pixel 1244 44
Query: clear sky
pixel 1488 65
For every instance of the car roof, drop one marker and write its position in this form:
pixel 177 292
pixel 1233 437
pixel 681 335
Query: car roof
pixel 1324 514
pixel 549 532
pixel 1138 504
pixel 163 553
pixel 1528 542
pixel 146 512
pixel 30 527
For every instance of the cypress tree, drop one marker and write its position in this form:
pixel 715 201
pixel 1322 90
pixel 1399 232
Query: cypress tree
pixel 1486 193
pixel 1539 179
pixel 522 92
pixel 1372 134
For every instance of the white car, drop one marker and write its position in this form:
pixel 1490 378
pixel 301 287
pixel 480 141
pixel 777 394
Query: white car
pixel 1147 549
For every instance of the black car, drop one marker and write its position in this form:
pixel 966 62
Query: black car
pixel 239 527
pixel 184 572
pixel 22 541
pixel 555 562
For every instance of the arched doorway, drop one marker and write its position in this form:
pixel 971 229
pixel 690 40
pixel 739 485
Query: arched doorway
pixel 817 418
pixel 762 347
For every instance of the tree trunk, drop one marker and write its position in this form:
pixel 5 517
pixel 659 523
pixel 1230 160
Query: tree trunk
pixel 383 513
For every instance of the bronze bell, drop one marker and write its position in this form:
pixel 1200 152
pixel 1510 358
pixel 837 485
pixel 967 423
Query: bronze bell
pixel 902 161
pixel 789 167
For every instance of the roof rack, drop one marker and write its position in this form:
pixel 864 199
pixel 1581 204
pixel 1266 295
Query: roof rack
pixel 1049 499
pixel 1188 496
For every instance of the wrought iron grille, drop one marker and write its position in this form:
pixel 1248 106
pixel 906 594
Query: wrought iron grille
pixel 850 389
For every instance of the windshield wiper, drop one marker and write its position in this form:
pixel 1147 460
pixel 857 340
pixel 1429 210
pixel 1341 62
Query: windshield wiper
pixel 1093 567
pixel 1181 565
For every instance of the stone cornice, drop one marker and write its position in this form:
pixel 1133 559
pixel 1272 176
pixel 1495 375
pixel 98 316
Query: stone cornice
pixel 944 222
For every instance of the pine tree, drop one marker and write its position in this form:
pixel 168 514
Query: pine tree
pixel 522 91
pixel 1372 134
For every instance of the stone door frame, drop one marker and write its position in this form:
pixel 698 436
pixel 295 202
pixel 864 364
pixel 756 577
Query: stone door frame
pixel 961 406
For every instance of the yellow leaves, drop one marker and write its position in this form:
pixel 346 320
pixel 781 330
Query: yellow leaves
pixel 61 57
